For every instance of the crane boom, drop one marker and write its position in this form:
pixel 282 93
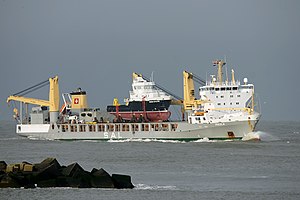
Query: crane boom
pixel 28 100
pixel 163 89
pixel 52 103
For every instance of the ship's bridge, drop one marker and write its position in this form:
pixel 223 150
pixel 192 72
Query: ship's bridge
pixel 142 88
pixel 225 87
pixel 227 95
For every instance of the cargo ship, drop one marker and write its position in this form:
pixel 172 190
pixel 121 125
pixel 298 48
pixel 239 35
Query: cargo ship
pixel 145 101
pixel 224 110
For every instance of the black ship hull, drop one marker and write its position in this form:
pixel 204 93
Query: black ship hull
pixel 153 111
pixel 139 106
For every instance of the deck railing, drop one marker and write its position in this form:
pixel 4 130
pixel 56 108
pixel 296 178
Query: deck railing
pixel 120 127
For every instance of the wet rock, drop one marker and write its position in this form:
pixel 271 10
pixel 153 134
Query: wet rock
pixel 2 173
pixel 85 180
pixel 47 183
pixel 24 179
pixel 8 181
pixel 3 166
pixel 122 181
pixel 46 163
pixel 77 176
pixel 49 173
pixel 101 179
pixel 72 170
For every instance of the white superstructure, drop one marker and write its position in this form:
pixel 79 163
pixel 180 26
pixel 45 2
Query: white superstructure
pixel 145 90
pixel 225 101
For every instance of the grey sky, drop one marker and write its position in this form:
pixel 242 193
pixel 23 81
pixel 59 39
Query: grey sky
pixel 97 44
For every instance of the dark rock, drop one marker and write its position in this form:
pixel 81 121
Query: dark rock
pixel 24 179
pixel 2 173
pixel 61 181
pixel 101 179
pixel 9 182
pixel 122 181
pixel 85 179
pixel 72 170
pixel 29 181
pixel 3 166
pixel 80 177
pixel 50 172
pixel 46 163
pixel 47 183
pixel 71 182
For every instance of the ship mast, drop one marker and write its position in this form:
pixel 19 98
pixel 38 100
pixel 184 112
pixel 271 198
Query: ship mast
pixel 232 75
pixel 220 64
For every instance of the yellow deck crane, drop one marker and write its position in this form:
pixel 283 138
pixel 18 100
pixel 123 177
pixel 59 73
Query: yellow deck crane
pixel 189 100
pixel 52 103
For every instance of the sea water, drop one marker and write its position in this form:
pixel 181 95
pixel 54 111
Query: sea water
pixel 202 169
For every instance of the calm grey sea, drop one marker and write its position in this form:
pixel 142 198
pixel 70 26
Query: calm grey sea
pixel 268 169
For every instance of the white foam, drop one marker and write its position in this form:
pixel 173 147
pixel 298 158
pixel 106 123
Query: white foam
pixel 146 140
pixel 260 135
pixel 251 136
pixel 126 140
pixel 154 187
pixel 205 139
pixel 38 138
pixel 169 141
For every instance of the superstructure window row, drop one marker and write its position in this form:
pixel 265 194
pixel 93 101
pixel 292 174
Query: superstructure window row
pixel 218 88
